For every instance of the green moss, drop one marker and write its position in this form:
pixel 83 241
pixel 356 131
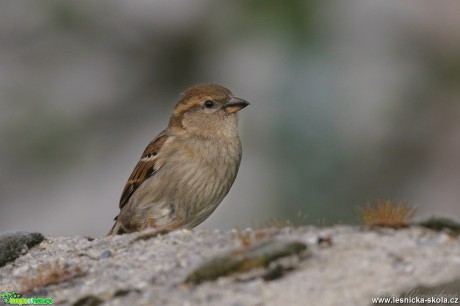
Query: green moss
pixel 13 245
pixel 243 260
pixel 442 224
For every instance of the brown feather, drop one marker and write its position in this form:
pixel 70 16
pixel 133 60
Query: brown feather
pixel 145 168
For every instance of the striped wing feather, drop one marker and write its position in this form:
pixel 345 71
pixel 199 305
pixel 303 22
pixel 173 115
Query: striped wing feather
pixel 145 168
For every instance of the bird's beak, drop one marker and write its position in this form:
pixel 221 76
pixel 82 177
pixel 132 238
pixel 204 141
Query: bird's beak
pixel 235 104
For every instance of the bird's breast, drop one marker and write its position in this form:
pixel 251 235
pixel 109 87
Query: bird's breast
pixel 203 170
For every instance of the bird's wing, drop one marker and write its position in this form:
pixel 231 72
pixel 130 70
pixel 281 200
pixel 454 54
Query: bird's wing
pixel 145 168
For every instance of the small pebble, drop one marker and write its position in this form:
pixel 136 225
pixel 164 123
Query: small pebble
pixel 105 254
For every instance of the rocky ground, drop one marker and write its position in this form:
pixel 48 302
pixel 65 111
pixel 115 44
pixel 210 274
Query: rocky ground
pixel 341 265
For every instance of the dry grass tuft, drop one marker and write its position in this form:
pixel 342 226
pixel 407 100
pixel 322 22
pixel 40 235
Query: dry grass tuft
pixel 388 214
pixel 50 273
pixel 267 230
pixel 276 223
pixel 300 219
pixel 249 237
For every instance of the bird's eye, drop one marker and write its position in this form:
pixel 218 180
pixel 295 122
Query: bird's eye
pixel 208 103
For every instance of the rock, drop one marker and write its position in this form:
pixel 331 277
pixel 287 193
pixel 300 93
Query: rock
pixel 345 266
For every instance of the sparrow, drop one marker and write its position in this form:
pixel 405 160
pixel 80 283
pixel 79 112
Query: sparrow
pixel 186 171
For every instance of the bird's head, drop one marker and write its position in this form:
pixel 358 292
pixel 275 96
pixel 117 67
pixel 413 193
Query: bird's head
pixel 207 109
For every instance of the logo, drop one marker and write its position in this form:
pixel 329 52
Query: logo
pixel 13 298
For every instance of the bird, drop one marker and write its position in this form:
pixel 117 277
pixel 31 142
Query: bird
pixel 187 170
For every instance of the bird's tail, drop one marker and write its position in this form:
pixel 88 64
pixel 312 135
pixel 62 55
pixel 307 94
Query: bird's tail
pixel 117 229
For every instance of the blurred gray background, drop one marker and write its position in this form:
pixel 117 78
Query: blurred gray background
pixel 351 101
